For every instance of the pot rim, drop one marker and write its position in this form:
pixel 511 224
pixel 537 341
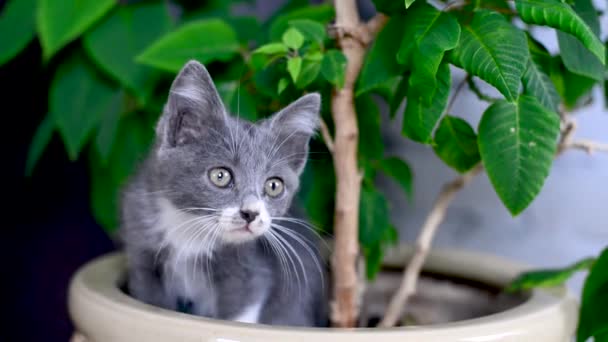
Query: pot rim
pixel 96 283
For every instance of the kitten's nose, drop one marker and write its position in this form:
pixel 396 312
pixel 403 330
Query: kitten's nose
pixel 249 215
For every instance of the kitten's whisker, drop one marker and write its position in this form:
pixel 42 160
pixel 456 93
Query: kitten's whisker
pixel 190 232
pixel 288 261
pixel 285 277
pixel 310 227
pixel 176 230
pixel 245 135
pixel 147 193
pixel 304 242
pixel 276 149
pixel 207 253
pixel 212 243
pixel 198 232
pixel 222 138
pixel 296 256
pixel 198 208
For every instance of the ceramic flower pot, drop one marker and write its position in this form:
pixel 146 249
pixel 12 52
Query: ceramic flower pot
pixel 101 312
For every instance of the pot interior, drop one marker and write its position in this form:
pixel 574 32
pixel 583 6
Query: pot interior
pixel 440 299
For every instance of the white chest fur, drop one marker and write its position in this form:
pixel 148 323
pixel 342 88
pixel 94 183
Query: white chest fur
pixel 251 313
pixel 178 228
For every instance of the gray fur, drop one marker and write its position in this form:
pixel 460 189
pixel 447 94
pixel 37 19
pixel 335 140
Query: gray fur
pixel 195 266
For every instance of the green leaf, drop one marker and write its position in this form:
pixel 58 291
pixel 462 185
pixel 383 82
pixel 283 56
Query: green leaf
pixel 60 22
pixel 373 216
pixel 283 83
pixel 373 260
pixel 375 229
pixel 41 139
pixel 78 99
pixel 206 41
pixel 237 100
pixel 593 320
pixel 292 38
pixel 17 27
pixel 321 13
pixel 548 278
pixel 408 3
pixel 576 57
pixel 315 56
pixel 371 145
pixel 309 73
pixel 559 15
pixel 294 65
pixel 272 48
pixel 539 85
pixel 429 34
pixel 380 64
pixel 399 94
pixel 133 140
pixel 333 67
pixel 310 29
pixel 317 192
pixel 456 144
pixel 247 28
pixel 114 43
pixel 494 50
pixel 106 135
pixel 390 7
pixel 573 89
pixel 517 142
pixel 420 118
pixel 400 171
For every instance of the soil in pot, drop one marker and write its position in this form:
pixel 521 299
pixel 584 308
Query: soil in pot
pixel 439 299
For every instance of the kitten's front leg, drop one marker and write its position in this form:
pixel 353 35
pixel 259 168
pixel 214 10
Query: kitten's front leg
pixel 146 279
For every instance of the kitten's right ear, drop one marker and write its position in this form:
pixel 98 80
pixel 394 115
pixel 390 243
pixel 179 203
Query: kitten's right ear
pixel 194 108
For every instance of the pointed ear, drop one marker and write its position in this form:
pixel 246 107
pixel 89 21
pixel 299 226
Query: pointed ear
pixel 295 125
pixel 194 108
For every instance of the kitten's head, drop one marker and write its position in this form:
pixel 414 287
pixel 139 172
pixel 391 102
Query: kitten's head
pixel 221 176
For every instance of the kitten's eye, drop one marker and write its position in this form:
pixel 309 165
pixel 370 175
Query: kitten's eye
pixel 273 187
pixel 220 177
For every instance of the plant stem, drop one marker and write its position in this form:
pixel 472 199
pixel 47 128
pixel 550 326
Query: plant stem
pixel 423 245
pixel 353 38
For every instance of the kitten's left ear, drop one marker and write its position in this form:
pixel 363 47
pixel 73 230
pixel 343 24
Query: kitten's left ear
pixel 295 125
pixel 194 109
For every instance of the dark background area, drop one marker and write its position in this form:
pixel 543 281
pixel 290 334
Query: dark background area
pixel 48 229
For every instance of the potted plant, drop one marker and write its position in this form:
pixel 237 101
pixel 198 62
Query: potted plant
pixel 125 54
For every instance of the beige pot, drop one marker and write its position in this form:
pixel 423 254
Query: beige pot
pixel 103 313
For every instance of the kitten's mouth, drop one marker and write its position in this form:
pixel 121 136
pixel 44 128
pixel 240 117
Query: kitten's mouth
pixel 243 230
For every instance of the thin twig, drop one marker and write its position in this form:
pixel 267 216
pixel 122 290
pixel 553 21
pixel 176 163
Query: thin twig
pixel 477 91
pixel 456 92
pixel 423 245
pixel 329 141
pixel 588 145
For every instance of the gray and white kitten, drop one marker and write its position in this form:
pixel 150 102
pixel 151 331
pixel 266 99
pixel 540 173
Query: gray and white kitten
pixel 203 220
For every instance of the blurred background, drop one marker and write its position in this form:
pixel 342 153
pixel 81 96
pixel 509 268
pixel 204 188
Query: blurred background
pixel 50 229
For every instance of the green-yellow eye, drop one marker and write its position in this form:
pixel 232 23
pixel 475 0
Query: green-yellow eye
pixel 220 177
pixel 273 187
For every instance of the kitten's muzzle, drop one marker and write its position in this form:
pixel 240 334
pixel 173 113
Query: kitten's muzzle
pixel 249 215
